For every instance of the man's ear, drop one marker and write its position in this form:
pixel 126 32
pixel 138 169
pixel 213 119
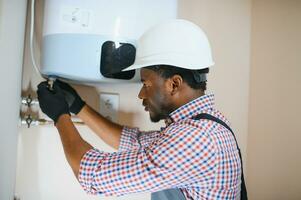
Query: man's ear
pixel 175 84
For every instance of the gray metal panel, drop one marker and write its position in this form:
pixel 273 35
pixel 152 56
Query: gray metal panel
pixel 168 194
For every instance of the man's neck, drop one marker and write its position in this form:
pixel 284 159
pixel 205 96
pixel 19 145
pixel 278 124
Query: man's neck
pixel 188 96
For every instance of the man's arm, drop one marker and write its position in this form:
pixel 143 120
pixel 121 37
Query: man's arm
pixel 108 131
pixel 181 156
pixel 53 104
pixel 74 146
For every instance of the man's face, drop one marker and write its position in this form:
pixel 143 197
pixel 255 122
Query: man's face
pixel 154 95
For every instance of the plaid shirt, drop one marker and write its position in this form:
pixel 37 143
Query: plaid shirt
pixel 198 156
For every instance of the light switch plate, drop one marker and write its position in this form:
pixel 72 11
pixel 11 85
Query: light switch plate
pixel 109 106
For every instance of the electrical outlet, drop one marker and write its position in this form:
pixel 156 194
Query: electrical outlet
pixel 109 106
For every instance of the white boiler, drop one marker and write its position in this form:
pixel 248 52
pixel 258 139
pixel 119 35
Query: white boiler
pixel 94 40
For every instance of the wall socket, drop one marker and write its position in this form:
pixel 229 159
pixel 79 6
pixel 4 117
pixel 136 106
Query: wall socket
pixel 109 106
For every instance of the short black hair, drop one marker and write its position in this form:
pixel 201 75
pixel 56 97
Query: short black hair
pixel 189 76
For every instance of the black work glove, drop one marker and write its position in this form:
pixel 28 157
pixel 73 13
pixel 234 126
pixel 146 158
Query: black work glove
pixel 52 102
pixel 74 101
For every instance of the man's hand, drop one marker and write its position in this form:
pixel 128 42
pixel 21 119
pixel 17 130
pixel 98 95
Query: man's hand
pixel 74 101
pixel 52 102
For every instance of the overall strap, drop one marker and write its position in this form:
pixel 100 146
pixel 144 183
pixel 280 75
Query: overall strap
pixel 217 120
pixel 243 192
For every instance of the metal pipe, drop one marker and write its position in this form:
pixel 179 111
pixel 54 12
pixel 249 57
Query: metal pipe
pixel 29 101
pixel 30 121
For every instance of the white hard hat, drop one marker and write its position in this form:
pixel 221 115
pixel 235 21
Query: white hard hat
pixel 177 43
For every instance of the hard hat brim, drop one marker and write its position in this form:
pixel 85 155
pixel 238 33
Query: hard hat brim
pixel 192 67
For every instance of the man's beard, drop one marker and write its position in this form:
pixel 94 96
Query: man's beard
pixel 155 118
pixel 159 114
pixel 160 109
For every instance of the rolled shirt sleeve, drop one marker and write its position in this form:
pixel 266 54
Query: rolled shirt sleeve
pixel 181 155
pixel 90 163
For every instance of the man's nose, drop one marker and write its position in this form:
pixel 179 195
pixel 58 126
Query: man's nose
pixel 141 94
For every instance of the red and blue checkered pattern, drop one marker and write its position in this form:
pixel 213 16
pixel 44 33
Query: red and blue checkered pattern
pixel 198 156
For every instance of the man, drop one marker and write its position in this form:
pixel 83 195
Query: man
pixel 193 157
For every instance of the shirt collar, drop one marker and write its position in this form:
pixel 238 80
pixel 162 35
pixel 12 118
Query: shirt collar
pixel 191 109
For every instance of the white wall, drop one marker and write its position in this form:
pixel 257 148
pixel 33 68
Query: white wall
pixel 43 172
pixel 12 28
pixel 274 160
